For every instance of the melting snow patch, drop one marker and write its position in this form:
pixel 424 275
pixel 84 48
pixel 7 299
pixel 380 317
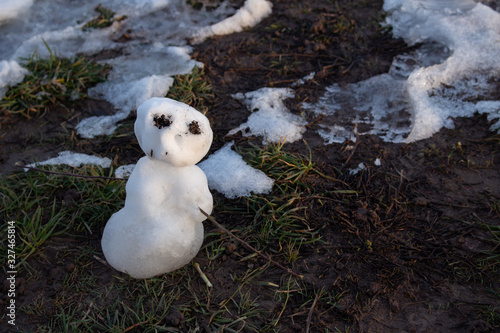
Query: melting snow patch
pixel 146 63
pixel 361 166
pixel 136 91
pixel 252 12
pixel 75 160
pixel 472 33
pixel 99 125
pixel 124 171
pixel 228 174
pixel 450 75
pixel 270 118
pixel 11 73
pixel 306 78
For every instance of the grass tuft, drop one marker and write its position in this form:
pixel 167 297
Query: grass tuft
pixel 52 81
pixel 280 220
pixel 193 89
pixel 104 20
pixel 44 206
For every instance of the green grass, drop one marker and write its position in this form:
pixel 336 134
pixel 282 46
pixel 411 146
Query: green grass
pixel 278 222
pixel 37 203
pixel 52 81
pixel 103 20
pixel 87 303
pixel 193 89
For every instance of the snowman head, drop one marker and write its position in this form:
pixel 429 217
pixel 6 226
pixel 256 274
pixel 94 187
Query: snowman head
pixel 172 132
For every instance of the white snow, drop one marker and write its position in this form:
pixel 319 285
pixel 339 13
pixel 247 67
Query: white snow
pixel 13 8
pixel 75 160
pixel 11 73
pixel 303 80
pixel 137 91
pixel 230 175
pixel 361 166
pixel 124 171
pixel 99 125
pixel 252 12
pixel 270 118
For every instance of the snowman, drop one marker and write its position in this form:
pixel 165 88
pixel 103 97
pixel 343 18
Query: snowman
pixel 160 227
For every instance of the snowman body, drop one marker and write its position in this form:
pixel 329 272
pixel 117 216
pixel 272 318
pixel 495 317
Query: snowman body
pixel 160 227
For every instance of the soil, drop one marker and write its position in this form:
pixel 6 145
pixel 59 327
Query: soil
pixel 405 254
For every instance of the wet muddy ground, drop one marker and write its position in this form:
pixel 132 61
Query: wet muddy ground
pixel 403 245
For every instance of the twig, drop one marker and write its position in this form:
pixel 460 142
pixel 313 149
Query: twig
pixel 88 311
pixel 102 261
pixel 203 276
pixel 135 325
pixel 66 173
pixel 309 316
pixel 248 246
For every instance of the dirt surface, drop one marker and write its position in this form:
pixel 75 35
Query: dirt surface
pixel 406 253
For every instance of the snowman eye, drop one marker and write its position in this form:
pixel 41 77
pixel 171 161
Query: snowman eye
pixel 194 127
pixel 162 121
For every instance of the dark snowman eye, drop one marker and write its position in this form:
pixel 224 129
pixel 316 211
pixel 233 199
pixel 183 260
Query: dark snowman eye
pixel 162 121
pixel 194 127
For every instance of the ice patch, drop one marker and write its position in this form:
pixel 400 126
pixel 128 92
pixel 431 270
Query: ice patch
pixel 451 75
pixel 74 159
pixel 471 32
pixel 375 106
pixel 252 12
pixel 11 73
pixel 228 174
pixel 270 118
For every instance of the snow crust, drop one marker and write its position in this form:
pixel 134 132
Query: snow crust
pixel 230 175
pixel 270 118
pixel 75 160
pixel 361 166
pixel 252 12
pixel 378 105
